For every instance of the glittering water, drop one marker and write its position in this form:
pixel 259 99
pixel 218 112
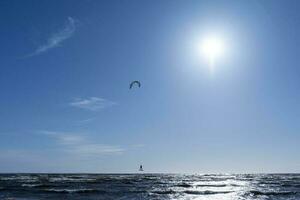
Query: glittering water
pixel 150 186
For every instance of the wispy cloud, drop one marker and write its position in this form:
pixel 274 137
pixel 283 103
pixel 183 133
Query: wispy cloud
pixel 92 103
pixel 84 121
pixel 138 146
pixel 64 138
pixel 57 38
pixel 81 146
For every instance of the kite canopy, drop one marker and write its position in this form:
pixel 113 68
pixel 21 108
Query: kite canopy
pixel 133 83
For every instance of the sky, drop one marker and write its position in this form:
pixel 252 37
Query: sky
pixel 65 72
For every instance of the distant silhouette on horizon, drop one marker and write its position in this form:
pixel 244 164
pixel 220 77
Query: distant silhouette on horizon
pixel 141 168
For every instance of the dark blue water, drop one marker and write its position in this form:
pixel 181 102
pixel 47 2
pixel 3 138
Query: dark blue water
pixel 150 186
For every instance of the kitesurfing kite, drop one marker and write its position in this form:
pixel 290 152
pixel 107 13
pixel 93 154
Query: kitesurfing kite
pixel 133 83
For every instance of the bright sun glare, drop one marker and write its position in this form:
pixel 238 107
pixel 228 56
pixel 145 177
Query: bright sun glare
pixel 211 48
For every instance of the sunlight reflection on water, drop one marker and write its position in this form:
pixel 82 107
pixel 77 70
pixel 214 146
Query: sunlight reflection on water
pixel 150 186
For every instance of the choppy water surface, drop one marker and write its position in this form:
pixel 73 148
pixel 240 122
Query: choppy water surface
pixel 150 186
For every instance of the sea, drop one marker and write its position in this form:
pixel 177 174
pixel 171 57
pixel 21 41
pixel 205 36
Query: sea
pixel 150 186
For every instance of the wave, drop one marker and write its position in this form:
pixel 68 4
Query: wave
pixel 291 185
pixel 83 190
pixel 31 185
pixel 184 185
pixel 164 192
pixel 206 192
pixel 211 185
pixel 258 193
pixel 19 178
pixel 193 192
pixel 65 179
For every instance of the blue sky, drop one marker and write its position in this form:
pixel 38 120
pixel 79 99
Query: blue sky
pixel 66 68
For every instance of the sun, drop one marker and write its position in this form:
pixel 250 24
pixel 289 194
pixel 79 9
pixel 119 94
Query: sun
pixel 211 48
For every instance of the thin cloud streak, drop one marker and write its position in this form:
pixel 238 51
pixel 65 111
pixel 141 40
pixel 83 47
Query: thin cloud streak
pixel 80 146
pixel 92 103
pixel 57 38
pixel 64 138
pixel 84 121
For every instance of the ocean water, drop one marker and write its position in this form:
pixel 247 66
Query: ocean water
pixel 150 186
